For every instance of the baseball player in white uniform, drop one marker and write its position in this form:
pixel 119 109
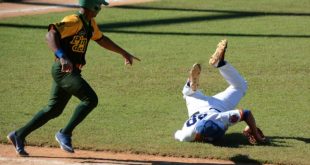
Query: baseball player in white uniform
pixel 210 116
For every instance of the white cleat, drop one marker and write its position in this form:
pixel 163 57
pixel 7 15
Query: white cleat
pixel 217 59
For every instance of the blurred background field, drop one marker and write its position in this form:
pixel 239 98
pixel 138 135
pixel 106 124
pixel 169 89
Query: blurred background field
pixel 140 107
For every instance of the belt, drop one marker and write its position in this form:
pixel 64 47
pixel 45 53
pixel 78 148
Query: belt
pixel 78 66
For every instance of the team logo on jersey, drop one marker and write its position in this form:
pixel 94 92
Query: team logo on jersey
pixel 79 43
pixel 233 118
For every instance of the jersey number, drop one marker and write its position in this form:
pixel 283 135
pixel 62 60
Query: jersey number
pixel 79 44
pixel 196 116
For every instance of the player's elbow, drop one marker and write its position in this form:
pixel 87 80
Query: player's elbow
pixel 179 136
pixel 180 139
pixel 47 37
pixel 246 114
pixel 52 34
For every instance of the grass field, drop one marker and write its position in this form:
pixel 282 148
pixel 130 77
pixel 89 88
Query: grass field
pixel 141 106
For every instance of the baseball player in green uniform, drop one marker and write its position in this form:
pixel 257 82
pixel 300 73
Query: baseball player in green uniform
pixel 68 40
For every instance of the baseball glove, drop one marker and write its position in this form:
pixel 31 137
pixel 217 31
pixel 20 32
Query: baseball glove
pixel 251 138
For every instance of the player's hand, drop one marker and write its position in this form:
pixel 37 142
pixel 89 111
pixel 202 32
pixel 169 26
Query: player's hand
pixel 129 58
pixel 258 138
pixel 66 65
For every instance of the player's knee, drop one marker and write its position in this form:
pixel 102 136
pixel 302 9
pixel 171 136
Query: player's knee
pixel 244 87
pixel 52 111
pixel 246 113
pixel 92 101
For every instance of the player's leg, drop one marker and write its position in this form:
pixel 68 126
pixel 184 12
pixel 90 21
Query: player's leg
pixel 55 107
pixel 195 99
pixel 237 85
pixel 232 95
pixel 56 104
pixel 89 101
pixel 82 90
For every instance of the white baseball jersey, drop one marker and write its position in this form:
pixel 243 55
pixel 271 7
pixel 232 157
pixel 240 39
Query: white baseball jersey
pixel 219 108
pixel 222 119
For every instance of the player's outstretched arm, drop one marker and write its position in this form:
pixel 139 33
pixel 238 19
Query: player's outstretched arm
pixel 250 120
pixel 107 43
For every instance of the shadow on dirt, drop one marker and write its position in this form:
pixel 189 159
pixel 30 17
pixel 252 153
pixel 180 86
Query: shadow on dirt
pixel 90 160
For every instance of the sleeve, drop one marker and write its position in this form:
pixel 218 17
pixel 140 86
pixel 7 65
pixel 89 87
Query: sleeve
pixel 188 132
pixel 231 117
pixel 69 26
pixel 97 33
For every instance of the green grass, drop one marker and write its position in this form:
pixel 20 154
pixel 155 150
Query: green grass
pixel 141 107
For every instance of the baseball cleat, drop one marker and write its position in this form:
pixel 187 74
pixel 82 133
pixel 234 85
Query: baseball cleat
pixel 18 144
pixel 64 142
pixel 217 59
pixel 194 74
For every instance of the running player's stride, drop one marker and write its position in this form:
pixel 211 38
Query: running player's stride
pixel 68 40
pixel 210 116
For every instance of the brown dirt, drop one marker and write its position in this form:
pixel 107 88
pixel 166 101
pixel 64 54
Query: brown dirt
pixel 31 7
pixel 56 156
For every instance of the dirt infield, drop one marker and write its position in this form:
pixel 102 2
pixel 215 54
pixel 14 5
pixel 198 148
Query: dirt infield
pixel 31 7
pixel 55 156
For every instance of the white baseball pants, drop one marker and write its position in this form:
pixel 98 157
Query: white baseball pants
pixel 226 100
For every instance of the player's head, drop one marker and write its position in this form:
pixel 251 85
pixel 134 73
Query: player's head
pixel 209 131
pixel 93 5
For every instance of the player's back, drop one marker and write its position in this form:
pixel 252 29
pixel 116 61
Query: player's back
pixel 188 131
